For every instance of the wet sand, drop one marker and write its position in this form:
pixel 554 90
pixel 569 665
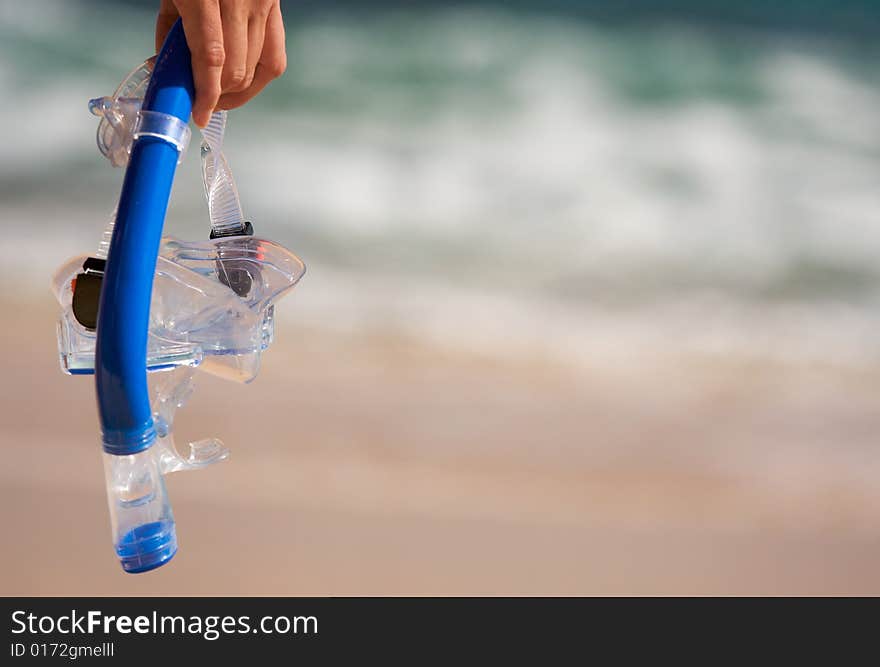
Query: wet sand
pixel 382 466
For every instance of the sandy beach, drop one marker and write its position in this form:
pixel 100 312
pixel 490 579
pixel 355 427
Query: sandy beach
pixel 367 465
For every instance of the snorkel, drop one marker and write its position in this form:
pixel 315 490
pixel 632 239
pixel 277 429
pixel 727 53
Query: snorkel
pixel 145 303
pixel 143 526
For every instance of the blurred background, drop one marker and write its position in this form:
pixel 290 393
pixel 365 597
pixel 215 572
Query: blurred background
pixel 591 303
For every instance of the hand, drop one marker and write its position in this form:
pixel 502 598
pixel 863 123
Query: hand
pixel 237 48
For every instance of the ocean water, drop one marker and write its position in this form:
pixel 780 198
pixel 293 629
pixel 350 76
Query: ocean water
pixel 512 182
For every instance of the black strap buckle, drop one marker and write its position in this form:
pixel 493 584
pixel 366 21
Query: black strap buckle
pixel 234 268
pixel 87 292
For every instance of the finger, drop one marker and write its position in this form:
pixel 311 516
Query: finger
pixel 256 38
pixel 235 40
pixel 166 18
pixel 272 63
pixel 204 34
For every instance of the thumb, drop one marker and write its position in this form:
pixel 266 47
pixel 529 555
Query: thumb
pixel 166 18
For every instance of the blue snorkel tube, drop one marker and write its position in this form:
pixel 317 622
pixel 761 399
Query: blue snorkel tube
pixel 142 522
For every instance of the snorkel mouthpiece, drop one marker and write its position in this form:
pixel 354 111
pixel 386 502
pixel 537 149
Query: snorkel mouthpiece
pixel 140 514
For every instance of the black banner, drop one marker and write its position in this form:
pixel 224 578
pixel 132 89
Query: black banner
pixel 416 630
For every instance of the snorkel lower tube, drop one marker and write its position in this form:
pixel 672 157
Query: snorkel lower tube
pixel 143 525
